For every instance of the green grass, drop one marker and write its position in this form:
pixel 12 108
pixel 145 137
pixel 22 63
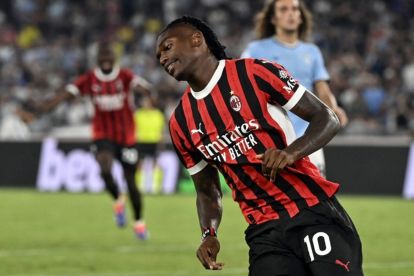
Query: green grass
pixel 73 234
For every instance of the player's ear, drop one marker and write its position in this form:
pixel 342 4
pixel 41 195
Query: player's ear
pixel 197 39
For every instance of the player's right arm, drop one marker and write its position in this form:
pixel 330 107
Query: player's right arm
pixel 70 91
pixel 207 185
pixel 209 209
pixel 54 101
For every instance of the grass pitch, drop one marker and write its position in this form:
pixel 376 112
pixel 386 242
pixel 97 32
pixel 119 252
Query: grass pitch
pixel 74 234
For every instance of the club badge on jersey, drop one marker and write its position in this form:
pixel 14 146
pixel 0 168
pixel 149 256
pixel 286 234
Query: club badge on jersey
pixel 235 102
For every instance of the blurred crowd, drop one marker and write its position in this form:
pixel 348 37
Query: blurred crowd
pixel 44 44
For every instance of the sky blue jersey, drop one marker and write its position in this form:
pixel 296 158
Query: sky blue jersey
pixel 303 60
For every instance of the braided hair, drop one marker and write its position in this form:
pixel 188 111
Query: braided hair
pixel 214 45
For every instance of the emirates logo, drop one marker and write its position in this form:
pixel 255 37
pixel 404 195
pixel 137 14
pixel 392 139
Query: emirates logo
pixel 235 102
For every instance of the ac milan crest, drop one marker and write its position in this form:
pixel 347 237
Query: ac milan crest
pixel 235 102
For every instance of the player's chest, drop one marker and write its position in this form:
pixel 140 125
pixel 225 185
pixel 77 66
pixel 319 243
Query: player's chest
pixel 116 86
pixel 222 126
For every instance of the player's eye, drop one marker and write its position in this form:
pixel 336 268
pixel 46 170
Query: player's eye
pixel 168 46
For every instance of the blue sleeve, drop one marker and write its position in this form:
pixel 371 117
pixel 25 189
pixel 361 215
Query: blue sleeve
pixel 319 72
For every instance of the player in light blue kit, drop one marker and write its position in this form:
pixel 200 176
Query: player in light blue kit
pixel 282 28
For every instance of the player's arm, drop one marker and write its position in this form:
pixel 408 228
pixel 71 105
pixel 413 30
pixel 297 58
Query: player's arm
pixel 324 93
pixel 141 85
pixel 209 209
pixel 50 104
pixel 323 125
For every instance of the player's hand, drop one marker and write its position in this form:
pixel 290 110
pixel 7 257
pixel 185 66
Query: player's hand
pixel 273 161
pixel 207 253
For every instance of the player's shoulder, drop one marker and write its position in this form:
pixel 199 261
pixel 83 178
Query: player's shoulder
pixel 259 43
pixel 85 76
pixel 310 46
pixel 179 108
pixel 123 71
pixel 260 62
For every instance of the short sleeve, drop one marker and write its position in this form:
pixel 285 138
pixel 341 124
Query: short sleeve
pixel 80 86
pixel 190 157
pixel 319 72
pixel 277 84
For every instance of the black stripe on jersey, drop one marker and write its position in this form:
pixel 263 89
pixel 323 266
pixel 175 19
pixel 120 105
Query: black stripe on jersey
pixel 197 117
pixel 239 195
pixel 182 123
pixel 181 120
pixel 275 71
pixel 225 89
pixel 254 104
pixel 286 188
pixel 259 192
pixel 268 89
pixel 312 186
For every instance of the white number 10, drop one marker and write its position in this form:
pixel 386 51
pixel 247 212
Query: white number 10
pixel 316 247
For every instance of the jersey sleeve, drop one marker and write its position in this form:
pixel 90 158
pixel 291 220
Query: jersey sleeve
pixel 190 158
pixel 134 80
pixel 80 86
pixel 277 84
pixel 319 72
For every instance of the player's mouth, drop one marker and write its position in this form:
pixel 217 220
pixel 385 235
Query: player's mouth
pixel 170 67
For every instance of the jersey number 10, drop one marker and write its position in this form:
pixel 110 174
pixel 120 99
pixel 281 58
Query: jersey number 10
pixel 314 246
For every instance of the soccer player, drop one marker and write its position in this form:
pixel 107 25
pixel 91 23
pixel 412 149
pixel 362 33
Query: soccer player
pixel 232 119
pixel 110 89
pixel 282 28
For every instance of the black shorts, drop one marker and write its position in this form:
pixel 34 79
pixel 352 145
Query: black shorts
pixel 126 155
pixel 147 149
pixel 321 240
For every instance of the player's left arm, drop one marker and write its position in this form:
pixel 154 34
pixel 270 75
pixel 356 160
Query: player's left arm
pixel 324 93
pixel 323 125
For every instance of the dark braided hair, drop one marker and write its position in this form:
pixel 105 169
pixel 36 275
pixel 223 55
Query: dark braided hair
pixel 216 48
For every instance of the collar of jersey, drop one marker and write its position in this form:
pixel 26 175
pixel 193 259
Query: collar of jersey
pixel 107 77
pixel 213 81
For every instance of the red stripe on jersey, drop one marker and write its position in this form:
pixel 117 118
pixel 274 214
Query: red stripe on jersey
pixel 234 81
pixel 301 188
pixel 109 115
pixel 181 143
pixel 274 191
pixel 265 211
pixel 264 110
pixel 269 72
pixel 189 117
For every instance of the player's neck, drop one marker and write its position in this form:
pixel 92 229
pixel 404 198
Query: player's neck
pixel 203 73
pixel 288 39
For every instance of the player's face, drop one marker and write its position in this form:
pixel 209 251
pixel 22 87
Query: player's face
pixel 287 15
pixel 174 52
pixel 106 60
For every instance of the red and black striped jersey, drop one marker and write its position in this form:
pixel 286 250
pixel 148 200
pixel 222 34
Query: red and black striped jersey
pixel 112 98
pixel 239 114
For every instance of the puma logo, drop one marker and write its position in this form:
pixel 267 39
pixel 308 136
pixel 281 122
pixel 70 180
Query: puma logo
pixel 198 130
pixel 338 262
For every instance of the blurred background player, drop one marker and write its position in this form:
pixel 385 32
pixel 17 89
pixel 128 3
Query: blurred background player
pixel 150 122
pixel 282 28
pixel 110 89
